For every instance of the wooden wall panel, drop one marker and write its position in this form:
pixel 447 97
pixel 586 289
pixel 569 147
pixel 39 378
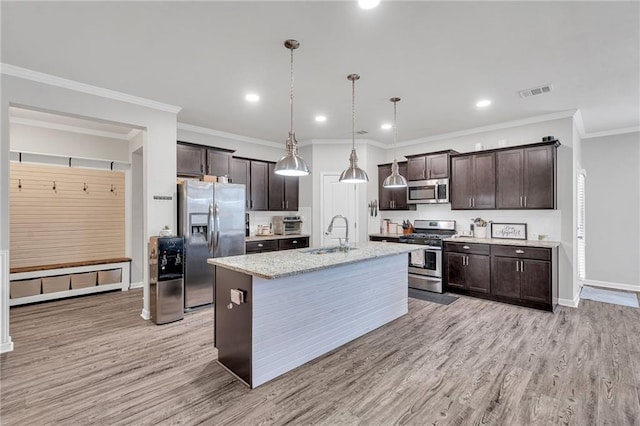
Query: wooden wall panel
pixel 68 223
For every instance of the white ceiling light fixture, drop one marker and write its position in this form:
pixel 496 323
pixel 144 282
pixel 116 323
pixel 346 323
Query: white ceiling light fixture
pixel 368 4
pixel 395 179
pixel 483 103
pixel 252 97
pixel 386 126
pixel 291 164
pixel 353 173
pixel 321 118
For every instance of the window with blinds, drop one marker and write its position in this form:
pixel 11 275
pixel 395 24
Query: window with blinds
pixel 581 245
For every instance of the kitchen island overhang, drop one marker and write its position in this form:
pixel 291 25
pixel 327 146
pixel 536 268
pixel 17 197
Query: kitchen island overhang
pixel 276 311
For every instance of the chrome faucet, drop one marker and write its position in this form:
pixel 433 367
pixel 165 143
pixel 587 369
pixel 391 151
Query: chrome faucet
pixel 343 246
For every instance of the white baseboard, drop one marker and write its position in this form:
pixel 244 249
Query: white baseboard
pixel 146 314
pixel 570 303
pixel 6 347
pixel 139 284
pixel 615 286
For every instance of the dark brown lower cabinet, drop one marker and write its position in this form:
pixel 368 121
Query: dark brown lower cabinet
pixel 526 276
pixel 468 271
pixel 265 245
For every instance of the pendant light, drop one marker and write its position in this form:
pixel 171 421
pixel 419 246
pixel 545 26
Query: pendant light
pixel 353 174
pixel 291 164
pixel 395 179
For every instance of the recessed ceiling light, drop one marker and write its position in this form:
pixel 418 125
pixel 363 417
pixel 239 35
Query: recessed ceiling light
pixel 368 4
pixel 483 103
pixel 252 97
pixel 321 118
pixel 386 126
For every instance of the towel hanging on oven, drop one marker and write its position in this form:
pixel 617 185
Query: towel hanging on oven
pixel 417 258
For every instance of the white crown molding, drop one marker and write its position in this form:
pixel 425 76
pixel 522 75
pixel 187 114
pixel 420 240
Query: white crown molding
pixel 67 128
pixel 232 136
pixel 64 83
pixel 133 133
pixel 492 127
pixel 612 132
pixel 320 142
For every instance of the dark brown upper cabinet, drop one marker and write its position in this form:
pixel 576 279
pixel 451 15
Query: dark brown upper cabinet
pixel 283 191
pixel 191 160
pixel 197 160
pixel 392 198
pixel 473 181
pixel 259 187
pixel 218 162
pixel 525 178
pixel 240 172
pixel 428 166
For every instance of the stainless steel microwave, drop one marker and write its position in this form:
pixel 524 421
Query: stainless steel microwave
pixel 428 191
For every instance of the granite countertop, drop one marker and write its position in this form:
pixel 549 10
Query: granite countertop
pixel 273 237
pixel 505 242
pixel 278 264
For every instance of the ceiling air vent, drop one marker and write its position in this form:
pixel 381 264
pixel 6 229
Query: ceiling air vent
pixel 540 90
pixel 362 132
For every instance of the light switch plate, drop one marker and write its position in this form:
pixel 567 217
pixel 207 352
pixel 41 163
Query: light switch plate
pixel 237 296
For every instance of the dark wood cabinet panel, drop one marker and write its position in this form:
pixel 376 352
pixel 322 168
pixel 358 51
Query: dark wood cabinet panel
pixel 283 191
pixel 240 172
pixel 509 179
pixel 478 273
pixel 526 178
pixel 456 276
pixel 392 198
pixel 539 177
pixel 536 279
pixel 416 168
pixel 261 246
pixel 293 243
pixel 190 160
pixel 506 277
pixel 259 187
pixel 484 178
pixel 218 162
pixel 437 166
pixel 461 182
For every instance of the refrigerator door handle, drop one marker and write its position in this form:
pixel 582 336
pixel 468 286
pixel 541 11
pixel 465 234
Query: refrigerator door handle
pixel 217 223
pixel 210 225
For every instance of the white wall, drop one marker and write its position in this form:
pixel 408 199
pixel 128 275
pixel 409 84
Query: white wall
pixel 613 209
pixel 29 89
pixel 41 140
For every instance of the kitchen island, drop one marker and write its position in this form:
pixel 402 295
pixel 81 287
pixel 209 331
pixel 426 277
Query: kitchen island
pixel 276 311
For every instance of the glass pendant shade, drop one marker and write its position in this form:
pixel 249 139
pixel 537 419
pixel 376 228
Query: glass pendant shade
pixel 395 179
pixel 291 164
pixel 353 173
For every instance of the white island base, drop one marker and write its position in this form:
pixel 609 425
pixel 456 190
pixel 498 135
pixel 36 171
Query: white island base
pixel 290 320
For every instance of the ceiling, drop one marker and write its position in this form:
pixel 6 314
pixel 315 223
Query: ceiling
pixel 439 57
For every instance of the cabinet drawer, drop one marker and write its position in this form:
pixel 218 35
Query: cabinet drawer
pixel 522 252
pixel 467 248
pixel 258 246
pixel 293 243
pixel 384 239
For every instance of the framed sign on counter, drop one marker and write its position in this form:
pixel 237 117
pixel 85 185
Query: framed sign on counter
pixel 513 231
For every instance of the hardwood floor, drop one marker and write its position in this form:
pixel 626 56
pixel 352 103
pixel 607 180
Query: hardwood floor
pixel 93 360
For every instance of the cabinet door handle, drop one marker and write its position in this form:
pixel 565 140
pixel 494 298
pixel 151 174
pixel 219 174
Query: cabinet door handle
pixel 201 169
pixel 522 266
pixel 525 201
pixel 467 257
pixel 251 204
pixel 287 204
pixel 473 201
pixel 520 251
pixel 294 242
pixel 521 201
pixel 469 201
pixel 260 245
pixel 283 204
pixel 466 247
pixel 517 266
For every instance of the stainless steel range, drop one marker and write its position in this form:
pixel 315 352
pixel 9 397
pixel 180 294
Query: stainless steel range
pixel 425 266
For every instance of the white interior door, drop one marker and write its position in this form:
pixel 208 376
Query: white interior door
pixel 338 198
pixel 581 231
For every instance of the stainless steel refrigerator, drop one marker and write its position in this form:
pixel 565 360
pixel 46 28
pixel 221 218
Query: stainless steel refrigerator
pixel 211 218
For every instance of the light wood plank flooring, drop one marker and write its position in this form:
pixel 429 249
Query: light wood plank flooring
pixel 93 360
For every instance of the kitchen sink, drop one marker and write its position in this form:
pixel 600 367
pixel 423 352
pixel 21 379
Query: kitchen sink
pixel 325 250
